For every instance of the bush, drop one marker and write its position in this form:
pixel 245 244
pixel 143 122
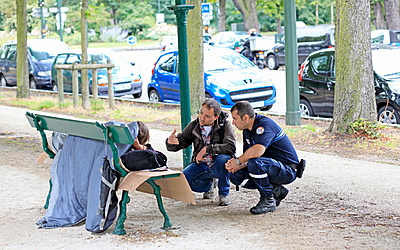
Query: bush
pixel 114 34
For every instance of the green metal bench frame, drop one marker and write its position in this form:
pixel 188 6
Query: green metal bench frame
pixel 103 132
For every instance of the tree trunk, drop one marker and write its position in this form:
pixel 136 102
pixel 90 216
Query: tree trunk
pixel 392 14
pixel 22 49
pixel 379 17
pixel 222 15
pixel 84 45
pixel 354 90
pixel 249 13
pixel 316 13
pixel 195 56
pixel 278 25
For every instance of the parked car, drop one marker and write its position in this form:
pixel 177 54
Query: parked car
pixel 169 43
pixel 228 78
pixel 381 36
pixel 309 39
pixel 126 80
pixel 41 54
pixel 317 83
pixel 229 39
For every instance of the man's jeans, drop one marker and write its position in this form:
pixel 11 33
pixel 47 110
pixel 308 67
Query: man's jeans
pixel 199 176
pixel 262 173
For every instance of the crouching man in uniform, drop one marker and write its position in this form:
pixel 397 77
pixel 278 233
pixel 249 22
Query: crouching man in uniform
pixel 269 159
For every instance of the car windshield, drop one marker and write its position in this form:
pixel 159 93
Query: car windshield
pixel 102 57
pixel 222 60
pixel 46 49
pixel 386 63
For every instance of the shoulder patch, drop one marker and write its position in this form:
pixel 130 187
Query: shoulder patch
pixel 260 130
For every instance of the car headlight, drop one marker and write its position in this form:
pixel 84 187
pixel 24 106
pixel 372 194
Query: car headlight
pixel 44 73
pixel 136 77
pixel 219 82
pixel 394 86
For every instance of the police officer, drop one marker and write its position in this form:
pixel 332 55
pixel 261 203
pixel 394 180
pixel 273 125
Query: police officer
pixel 269 159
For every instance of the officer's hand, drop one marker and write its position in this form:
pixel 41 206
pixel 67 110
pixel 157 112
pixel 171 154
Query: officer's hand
pixel 172 139
pixel 231 166
pixel 200 155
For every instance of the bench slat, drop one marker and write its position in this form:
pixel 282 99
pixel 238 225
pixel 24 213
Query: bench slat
pixel 84 129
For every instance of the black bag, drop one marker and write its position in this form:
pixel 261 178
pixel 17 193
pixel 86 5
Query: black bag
pixel 108 197
pixel 143 159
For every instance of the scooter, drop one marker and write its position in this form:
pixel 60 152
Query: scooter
pixel 257 57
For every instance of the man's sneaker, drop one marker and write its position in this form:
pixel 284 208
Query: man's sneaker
pixel 265 205
pixel 280 193
pixel 210 194
pixel 224 201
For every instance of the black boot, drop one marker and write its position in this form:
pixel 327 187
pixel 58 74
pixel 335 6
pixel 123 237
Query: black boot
pixel 280 193
pixel 265 205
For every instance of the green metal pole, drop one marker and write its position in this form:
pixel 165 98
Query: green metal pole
pixel 60 19
pixel 291 61
pixel 181 10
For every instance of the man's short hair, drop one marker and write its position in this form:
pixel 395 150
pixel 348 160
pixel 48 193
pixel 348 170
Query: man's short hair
pixel 212 103
pixel 243 108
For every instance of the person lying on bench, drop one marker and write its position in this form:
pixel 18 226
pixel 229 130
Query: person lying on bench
pixel 214 144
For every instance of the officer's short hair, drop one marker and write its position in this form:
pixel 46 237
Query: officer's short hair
pixel 243 108
pixel 213 104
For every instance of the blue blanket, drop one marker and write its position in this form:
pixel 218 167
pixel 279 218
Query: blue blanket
pixel 76 178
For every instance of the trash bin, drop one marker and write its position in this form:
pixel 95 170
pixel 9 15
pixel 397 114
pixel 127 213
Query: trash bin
pixel 278 37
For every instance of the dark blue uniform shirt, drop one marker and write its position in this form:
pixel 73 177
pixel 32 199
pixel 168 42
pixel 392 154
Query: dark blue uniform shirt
pixel 267 133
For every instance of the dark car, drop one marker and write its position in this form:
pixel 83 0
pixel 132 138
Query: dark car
pixel 228 78
pixel 126 80
pixel 317 83
pixel 309 39
pixel 41 54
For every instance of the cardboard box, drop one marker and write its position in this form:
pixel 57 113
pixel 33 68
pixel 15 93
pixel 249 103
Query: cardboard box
pixel 175 188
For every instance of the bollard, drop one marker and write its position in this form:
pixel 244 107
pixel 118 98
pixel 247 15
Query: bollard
pixel 95 91
pixel 75 87
pixel 60 85
pixel 110 87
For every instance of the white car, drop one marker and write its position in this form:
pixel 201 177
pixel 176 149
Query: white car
pixel 381 36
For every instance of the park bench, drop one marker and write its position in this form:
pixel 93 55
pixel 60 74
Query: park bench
pixel 168 183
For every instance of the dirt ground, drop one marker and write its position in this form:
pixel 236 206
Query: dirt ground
pixel 347 199
pixel 322 211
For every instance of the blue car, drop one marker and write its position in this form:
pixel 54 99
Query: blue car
pixel 228 78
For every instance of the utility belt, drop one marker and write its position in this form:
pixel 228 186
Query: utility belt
pixel 298 167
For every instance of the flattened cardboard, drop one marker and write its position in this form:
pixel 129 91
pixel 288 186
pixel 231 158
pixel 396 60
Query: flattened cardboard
pixel 175 188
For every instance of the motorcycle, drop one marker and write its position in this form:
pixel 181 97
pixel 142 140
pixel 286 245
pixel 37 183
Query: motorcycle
pixel 257 57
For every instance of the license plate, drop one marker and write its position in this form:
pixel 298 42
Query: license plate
pixel 262 56
pixel 122 86
pixel 257 104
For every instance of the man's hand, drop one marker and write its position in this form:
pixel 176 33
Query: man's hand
pixel 172 139
pixel 232 166
pixel 200 155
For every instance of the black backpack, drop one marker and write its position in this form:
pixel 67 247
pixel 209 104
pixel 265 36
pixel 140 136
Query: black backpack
pixel 143 159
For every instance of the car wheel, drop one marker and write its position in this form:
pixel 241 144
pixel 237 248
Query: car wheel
pixel 3 81
pixel 305 108
pixel 272 63
pixel 266 108
pixel 388 115
pixel 154 96
pixel 208 96
pixel 32 83
pixel 137 95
